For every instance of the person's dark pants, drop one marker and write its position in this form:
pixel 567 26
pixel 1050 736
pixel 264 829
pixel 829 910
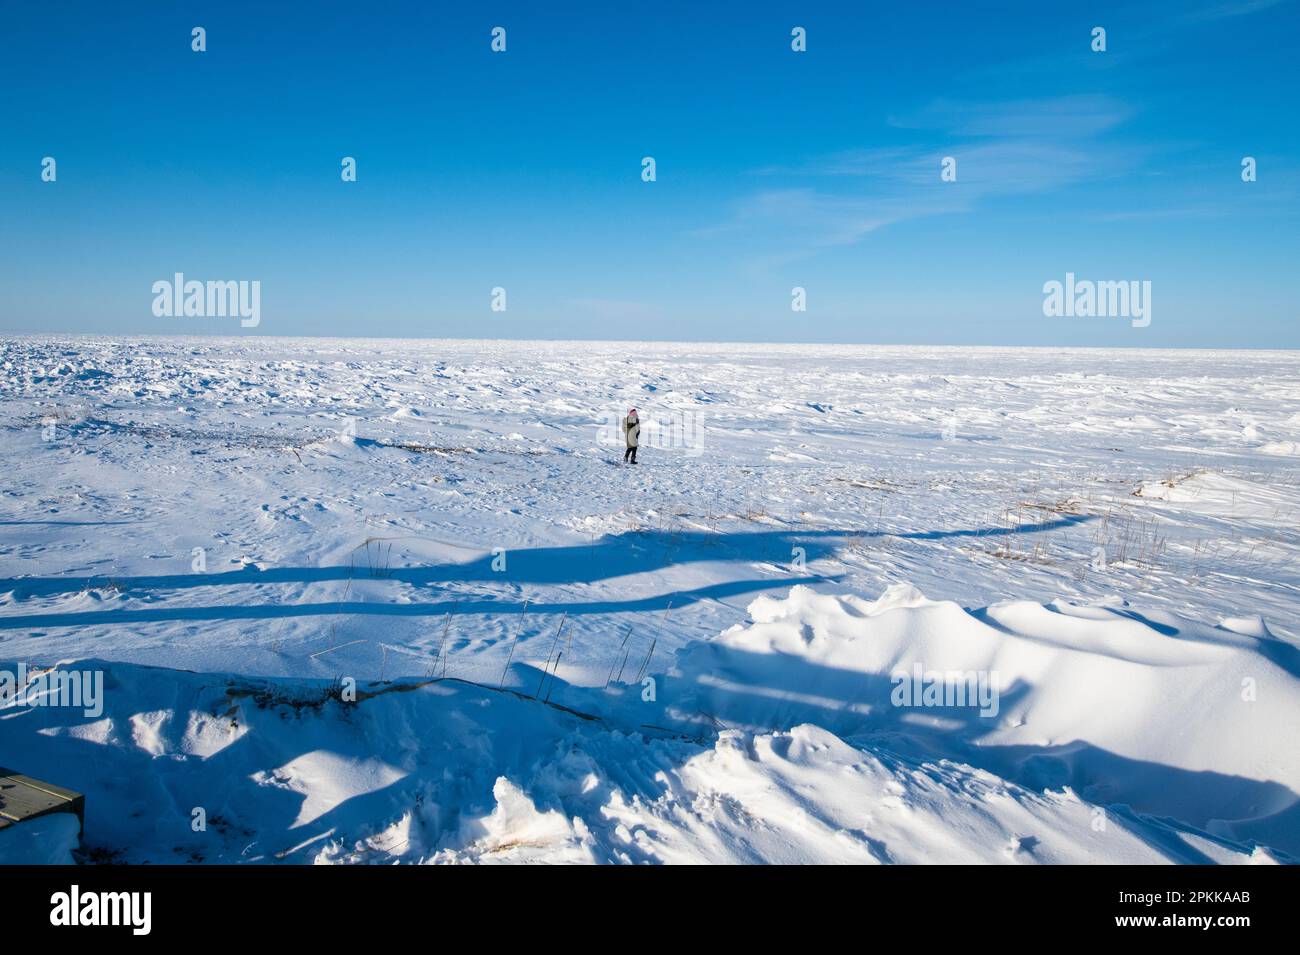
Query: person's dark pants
pixel 629 453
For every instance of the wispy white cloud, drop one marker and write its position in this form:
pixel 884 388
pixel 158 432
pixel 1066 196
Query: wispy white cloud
pixel 1058 117
pixel 813 218
pixel 1239 8
pixel 1002 149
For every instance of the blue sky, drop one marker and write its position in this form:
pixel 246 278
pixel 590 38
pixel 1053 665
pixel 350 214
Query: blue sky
pixel 775 169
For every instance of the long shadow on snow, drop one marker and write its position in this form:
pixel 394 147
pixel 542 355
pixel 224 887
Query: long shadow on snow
pixel 677 599
pixel 615 556
pixel 618 555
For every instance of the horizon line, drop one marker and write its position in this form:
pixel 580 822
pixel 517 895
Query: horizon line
pixel 638 341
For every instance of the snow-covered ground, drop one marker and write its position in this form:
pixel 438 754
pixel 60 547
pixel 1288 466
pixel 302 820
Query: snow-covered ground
pixel 561 658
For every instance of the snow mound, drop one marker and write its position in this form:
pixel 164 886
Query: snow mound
pixel 516 831
pixel 451 772
pixel 1165 714
pixel 808 796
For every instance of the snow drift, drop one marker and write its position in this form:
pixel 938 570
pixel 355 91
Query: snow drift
pixel 1119 737
pixel 1146 709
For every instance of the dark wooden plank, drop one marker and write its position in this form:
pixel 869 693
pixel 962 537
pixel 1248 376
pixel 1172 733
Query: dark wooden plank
pixel 22 797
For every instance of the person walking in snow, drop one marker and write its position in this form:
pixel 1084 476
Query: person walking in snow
pixel 632 432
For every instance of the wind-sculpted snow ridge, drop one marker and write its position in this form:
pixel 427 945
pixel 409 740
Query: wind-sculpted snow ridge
pixel 1118 737
pixel 1144 708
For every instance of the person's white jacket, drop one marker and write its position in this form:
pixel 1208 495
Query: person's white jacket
pixel 632 430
